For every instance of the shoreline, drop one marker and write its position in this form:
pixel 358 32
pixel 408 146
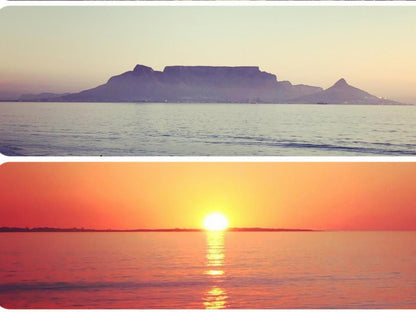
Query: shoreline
pixel 225 103
pixel 81 230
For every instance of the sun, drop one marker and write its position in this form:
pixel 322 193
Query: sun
pixel 215 222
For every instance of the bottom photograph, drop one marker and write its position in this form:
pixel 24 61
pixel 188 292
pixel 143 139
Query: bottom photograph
pixel 208 235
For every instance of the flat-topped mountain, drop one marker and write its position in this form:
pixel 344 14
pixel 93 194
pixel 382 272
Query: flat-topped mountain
pixel 342 93
pixel 211 84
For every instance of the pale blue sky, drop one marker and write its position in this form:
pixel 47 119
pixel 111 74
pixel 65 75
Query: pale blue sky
pixel 73 48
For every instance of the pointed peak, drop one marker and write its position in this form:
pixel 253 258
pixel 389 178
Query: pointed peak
pixel 142 69
pixel 341 83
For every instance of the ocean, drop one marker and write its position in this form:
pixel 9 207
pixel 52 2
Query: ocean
pixel 134 129
pixel 255 270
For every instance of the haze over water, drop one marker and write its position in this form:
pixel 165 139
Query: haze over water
pixel 208 270
pixel 131 129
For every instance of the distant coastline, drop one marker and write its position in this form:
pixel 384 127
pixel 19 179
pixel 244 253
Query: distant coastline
pixel 227 103
pixel 76 230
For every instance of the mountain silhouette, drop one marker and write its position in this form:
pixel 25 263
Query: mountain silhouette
pixel 206 84
pixel 342 93
pixel 211 84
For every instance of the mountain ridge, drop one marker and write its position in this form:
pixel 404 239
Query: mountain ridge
pixel 201 84
pixel 343 93
pixel 212 84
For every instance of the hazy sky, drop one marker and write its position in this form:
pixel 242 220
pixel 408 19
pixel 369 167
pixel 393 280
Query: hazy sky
pixel 362 196
pixel 74 48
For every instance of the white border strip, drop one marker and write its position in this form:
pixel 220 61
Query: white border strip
pixel 180 3
pixel 226 159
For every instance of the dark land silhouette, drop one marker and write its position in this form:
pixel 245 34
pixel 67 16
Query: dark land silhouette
pixel 342 93
pixel 210 84
pixel 232 229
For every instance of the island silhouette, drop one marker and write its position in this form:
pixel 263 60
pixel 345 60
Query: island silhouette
pixel 231 229
pixel 210 84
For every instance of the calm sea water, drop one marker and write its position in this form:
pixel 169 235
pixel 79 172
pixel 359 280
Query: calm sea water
pixel 121 129
pixel 208 270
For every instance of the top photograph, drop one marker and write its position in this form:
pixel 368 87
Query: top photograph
pixel 208 81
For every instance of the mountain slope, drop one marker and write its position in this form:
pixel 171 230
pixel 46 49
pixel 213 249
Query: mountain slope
pixel 194 84
pixel 210 84
pixel 341 93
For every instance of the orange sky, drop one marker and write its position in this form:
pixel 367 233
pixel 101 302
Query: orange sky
pixel 361 196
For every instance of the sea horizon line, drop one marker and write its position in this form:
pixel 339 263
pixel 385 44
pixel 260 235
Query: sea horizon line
pixel 75 229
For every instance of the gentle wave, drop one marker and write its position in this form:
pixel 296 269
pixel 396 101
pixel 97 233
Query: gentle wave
pixel 231 282
pixel 120 129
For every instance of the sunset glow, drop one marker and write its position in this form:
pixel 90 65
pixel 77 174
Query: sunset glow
pixel 334 196
pixel 215 222
pixel 107 228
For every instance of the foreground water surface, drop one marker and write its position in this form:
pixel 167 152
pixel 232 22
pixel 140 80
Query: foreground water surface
pixel 133 129
pixel 208 270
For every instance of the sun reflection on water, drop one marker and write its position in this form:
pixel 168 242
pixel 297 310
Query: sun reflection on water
pixel 216 296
